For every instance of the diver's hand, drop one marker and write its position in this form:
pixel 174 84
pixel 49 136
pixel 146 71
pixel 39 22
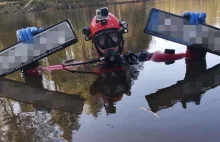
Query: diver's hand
pixel 27 34
pixel 195 17
pixel 131 58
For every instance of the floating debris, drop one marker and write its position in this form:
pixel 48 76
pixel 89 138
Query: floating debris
pixel 149 111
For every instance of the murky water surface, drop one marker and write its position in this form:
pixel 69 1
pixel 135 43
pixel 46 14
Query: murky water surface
pixel 151 101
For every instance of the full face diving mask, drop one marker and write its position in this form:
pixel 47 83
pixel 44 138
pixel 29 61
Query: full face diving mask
pixel 106 33
pixel 109 44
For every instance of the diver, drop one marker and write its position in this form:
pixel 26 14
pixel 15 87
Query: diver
pixel 106 33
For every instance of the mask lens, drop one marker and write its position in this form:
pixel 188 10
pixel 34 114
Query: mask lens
pixel 107 39
pixel 114 37
pixel 101 40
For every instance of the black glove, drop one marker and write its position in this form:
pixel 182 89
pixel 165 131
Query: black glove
pixel 131 58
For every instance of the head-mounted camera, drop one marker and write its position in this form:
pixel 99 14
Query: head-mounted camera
pixel 102 15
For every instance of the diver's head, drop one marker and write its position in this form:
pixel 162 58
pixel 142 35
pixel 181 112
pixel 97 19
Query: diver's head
pixel 106 32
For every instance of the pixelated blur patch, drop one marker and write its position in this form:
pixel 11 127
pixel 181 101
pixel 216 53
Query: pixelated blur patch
pixel 174 28
pixel 45 43
pixel 189 90
pixel 41 97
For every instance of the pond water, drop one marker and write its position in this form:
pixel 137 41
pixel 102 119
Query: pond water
pixel 150 101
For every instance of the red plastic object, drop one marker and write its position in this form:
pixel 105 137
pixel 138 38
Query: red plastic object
pixel 163 57
pixel 194 54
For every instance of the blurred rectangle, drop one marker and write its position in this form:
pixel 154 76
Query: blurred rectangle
pixel 43 44
pixel 41 97
pixel 177 29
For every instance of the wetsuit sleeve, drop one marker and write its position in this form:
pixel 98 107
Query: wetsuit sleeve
pixel 158 56
pixel 194 54
pixel 164 57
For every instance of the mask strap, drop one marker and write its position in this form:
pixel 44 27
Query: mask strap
pixel 121 46
pixel 99 52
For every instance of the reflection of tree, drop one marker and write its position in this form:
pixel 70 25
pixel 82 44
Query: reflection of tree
pixel 15 125
pixel 94 105
pixel 182 5
pixel 1 46
pixel 78 84
pixel 65 121
pixel 136 39
pixel 30 125
pixel 132 73
pixel 9 25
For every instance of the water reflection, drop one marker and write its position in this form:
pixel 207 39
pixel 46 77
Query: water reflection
pixel 111 84
pixel 197 81
pixel 119 92
pixel 36 115
pixel 110 88
pixel 36 110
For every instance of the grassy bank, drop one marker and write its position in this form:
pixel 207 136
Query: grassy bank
pixel 15 7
